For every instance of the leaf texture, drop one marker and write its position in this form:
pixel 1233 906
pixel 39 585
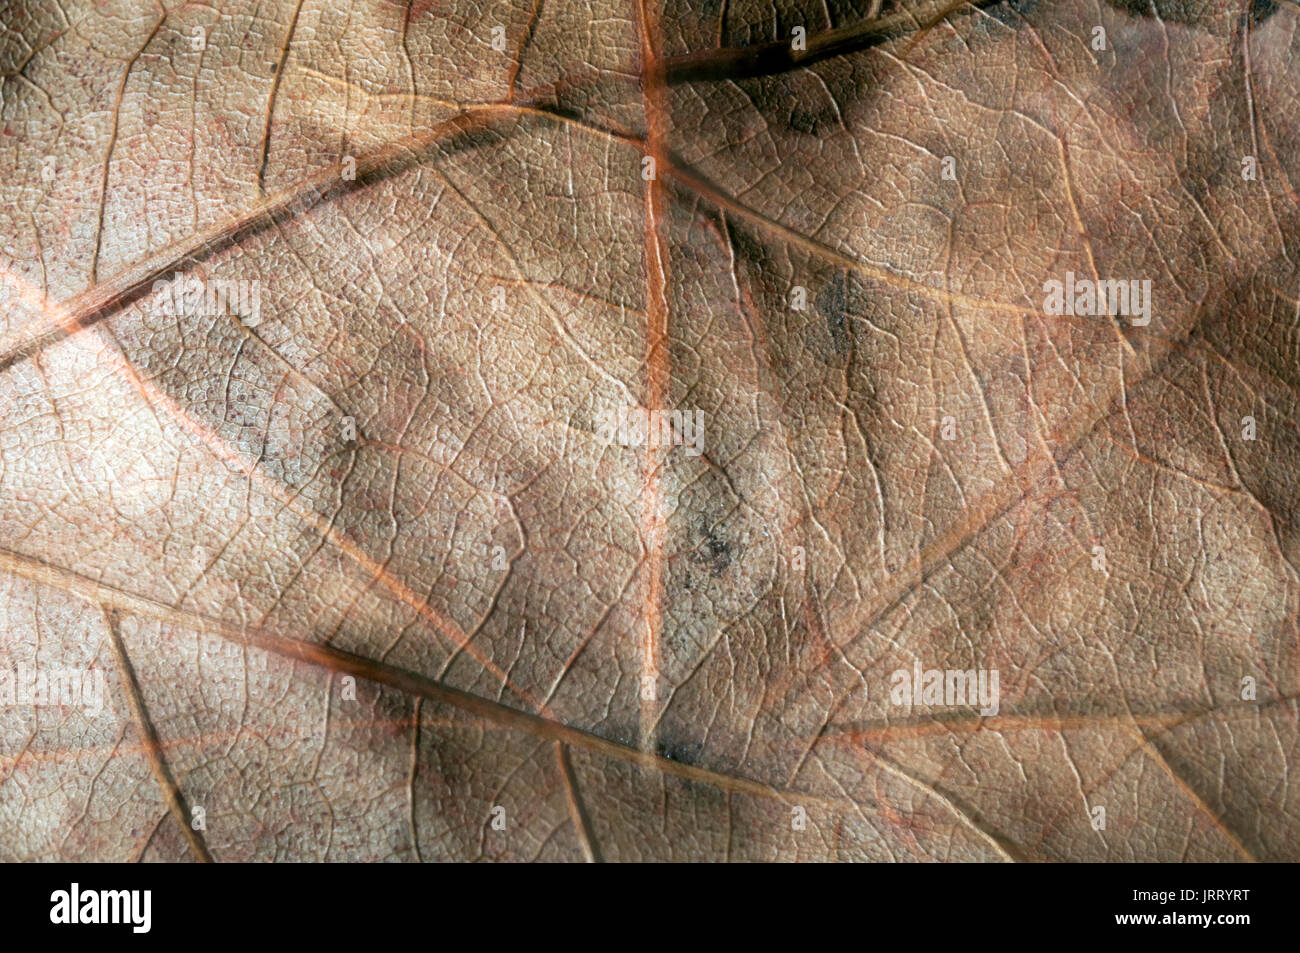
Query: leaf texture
pixel 364 582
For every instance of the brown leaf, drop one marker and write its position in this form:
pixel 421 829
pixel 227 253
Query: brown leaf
pixel 362 575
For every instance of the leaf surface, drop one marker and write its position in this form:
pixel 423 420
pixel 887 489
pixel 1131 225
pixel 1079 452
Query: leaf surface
pixel 364 579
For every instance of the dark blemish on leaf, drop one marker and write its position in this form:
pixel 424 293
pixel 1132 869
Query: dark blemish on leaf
pixel 1009 14
pixel 1261 10
pixel 685 753
pixel 1188 12
pixel 811 110
pixel 713 552
pixel 832 304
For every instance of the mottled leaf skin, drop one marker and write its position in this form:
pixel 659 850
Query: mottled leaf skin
pixel 361 576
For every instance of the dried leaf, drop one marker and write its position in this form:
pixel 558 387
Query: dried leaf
pixel 326 334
